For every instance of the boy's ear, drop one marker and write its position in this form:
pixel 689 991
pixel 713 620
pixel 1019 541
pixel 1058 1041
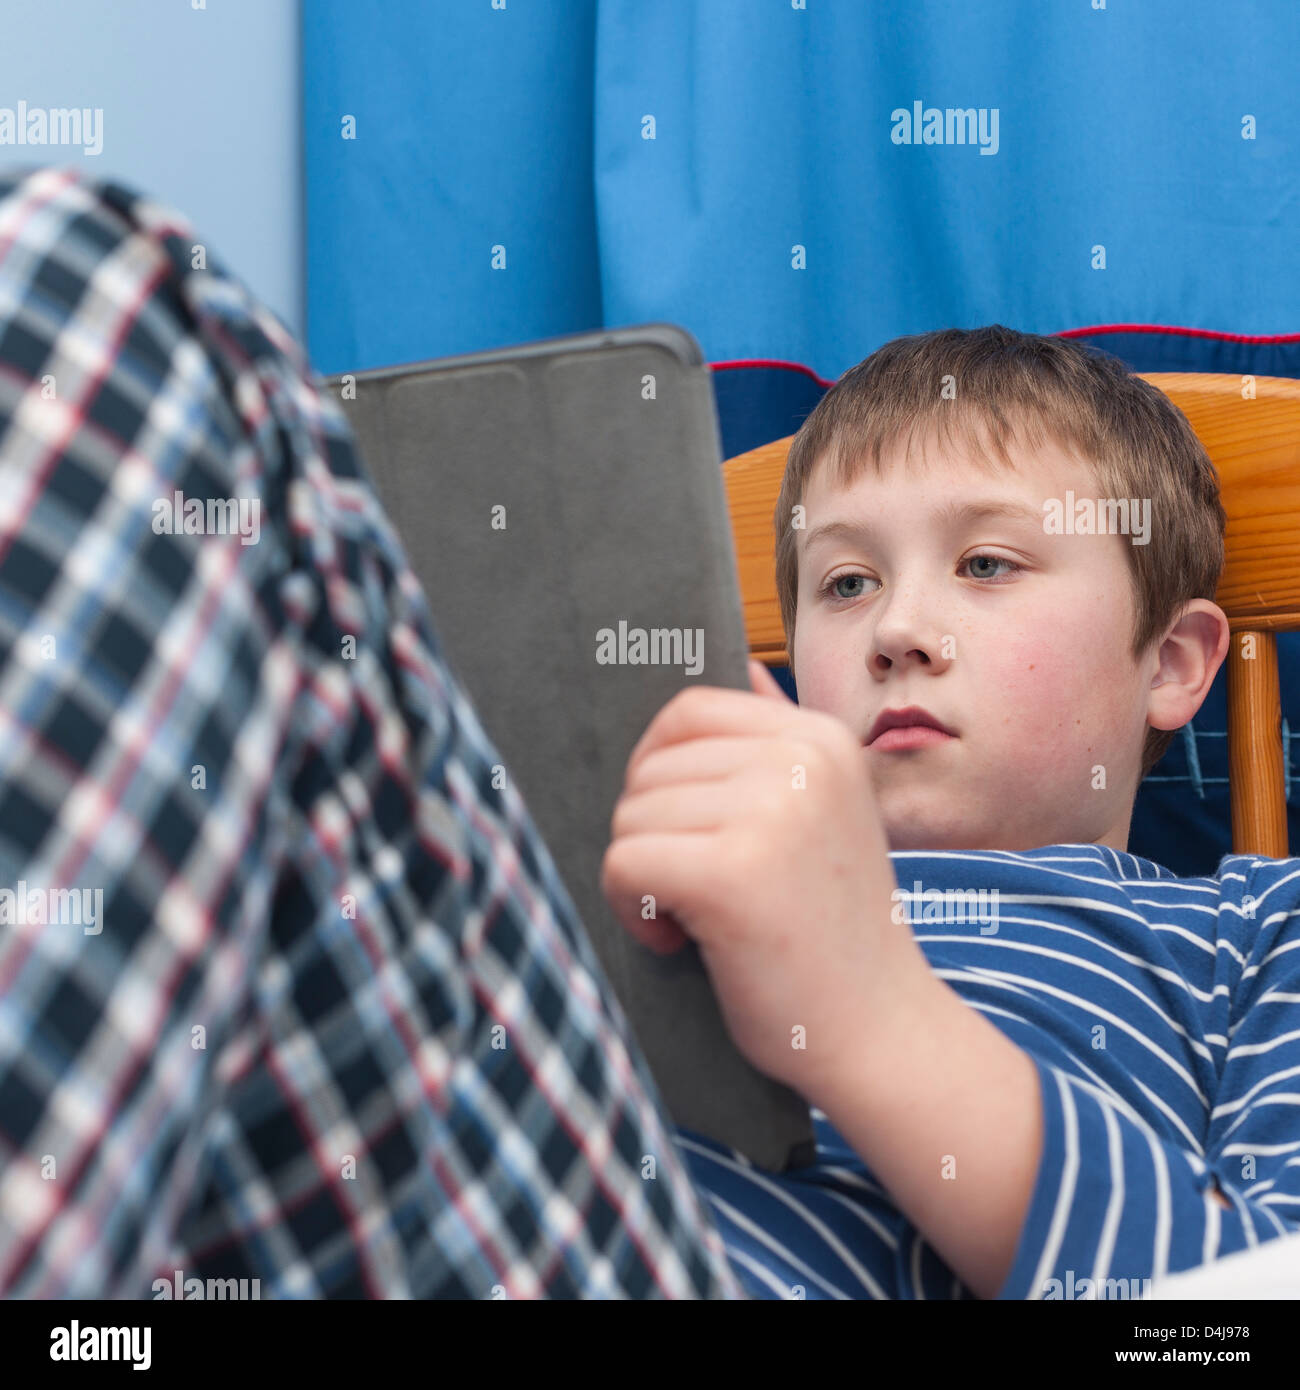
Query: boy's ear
pixel 1189 659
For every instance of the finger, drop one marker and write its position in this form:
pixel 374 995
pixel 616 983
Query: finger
pixel 763 682
pixel 676 809
pixel 700 760
pixel 664 935
pixel 702 710
pixel 653 884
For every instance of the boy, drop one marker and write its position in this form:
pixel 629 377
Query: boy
pixel 341 1032
pixel 1095 1084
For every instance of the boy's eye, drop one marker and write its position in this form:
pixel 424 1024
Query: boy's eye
pixel 831 586
pixel 992 560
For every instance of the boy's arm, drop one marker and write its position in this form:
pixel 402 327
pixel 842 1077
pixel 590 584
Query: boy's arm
pixel 945 1110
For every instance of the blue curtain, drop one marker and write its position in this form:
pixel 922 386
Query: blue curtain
pixel 798 184
pixel 774 128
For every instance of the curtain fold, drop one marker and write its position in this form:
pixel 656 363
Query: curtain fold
pixel 758 172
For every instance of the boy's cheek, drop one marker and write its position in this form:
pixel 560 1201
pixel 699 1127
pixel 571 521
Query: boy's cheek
pixel 1008 681
pixel 829 680
pixel 1036 713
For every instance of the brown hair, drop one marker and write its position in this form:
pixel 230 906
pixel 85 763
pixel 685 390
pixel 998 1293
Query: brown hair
pixel 1019 388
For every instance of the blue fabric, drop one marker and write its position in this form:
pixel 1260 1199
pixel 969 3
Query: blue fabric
pixel 473 129
pixel 774 129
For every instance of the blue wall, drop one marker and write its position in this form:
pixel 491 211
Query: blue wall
pixel 202 109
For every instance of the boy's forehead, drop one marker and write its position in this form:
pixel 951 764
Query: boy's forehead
pixel 947 476
pixel 946 489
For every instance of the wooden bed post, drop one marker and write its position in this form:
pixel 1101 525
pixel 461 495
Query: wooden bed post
pixel 1255 779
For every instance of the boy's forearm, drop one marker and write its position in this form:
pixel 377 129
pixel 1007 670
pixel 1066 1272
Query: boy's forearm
pixel 946 1112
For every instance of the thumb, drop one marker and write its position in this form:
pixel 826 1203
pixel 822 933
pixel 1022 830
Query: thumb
pixel 762 682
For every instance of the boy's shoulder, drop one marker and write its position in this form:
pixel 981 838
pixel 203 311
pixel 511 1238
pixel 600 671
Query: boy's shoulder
pixel 1246 912
pixel 1260 889
pixel 1245 881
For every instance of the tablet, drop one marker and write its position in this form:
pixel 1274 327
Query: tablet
pixel 562 503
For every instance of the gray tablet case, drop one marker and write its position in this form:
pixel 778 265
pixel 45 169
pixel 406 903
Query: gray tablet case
pixel 603 450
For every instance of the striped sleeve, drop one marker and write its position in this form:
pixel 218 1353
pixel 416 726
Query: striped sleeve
pixel 1113 1199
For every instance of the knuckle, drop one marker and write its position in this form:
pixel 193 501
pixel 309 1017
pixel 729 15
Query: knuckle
pixel 772 802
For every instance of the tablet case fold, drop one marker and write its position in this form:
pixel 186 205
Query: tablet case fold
pixel 554 499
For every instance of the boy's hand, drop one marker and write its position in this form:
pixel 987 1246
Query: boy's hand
pixel 753 825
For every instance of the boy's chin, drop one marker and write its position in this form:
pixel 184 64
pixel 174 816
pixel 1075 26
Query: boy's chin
pixel 914 818
pixel 915 839
pixel 922 833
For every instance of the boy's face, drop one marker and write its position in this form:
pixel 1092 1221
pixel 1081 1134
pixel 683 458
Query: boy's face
pixel 1031 668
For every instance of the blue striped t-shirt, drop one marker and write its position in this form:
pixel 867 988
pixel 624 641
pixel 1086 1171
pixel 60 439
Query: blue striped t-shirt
pixel 1163 1017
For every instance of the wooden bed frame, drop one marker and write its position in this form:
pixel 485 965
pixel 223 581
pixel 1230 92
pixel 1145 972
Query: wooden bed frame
pixel 1250 427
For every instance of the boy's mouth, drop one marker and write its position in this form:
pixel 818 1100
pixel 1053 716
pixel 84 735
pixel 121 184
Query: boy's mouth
pixel 913 736
pixel 911 727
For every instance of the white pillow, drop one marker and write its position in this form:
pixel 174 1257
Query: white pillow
pixel 1271 1270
